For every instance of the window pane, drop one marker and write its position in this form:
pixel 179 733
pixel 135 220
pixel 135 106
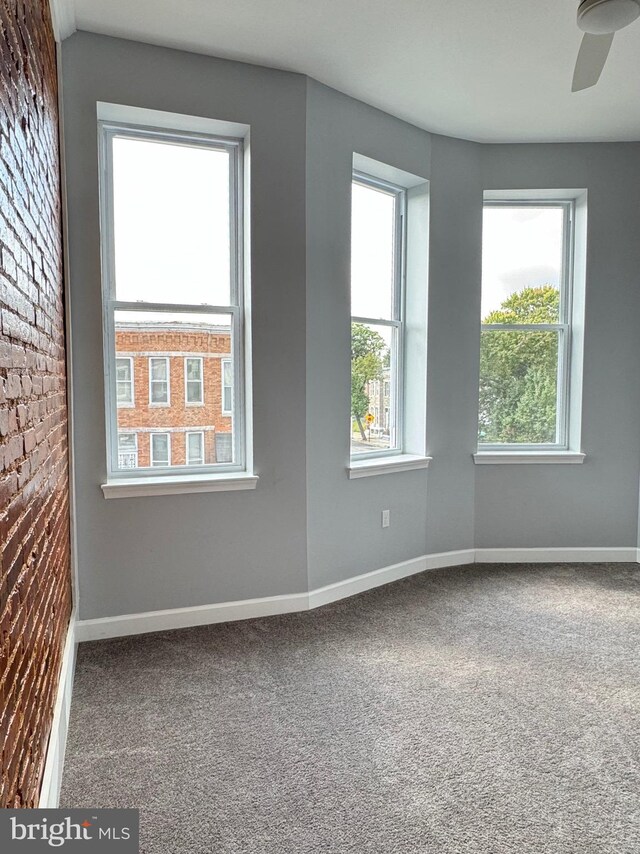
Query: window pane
pixel 123 370
pixel 194 369
pixel 159 449
pixel 171 222
pixel 518 387
pixel 158 370
pixel 195 452
pixel 373 388
pixel 373 223
pixel 124 385
pixel 522 261
pixel 159 385
pixel 227 387
pixel 171 335
pixel 127 450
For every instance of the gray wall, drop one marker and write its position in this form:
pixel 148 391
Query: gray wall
pixel 307 524
pixel 345 537
pixel 143 554
pixel 594 504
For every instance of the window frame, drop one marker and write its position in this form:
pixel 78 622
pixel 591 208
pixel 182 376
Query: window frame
pixel 235 310
pixel 397 322
pixel 153 435
pixel 188 402
pixel 167 402
pixel 563 328
pixel 223 386
pixel 132 403
pixel 187 434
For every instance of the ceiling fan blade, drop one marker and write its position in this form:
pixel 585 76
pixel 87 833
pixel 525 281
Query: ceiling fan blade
pixel 592 56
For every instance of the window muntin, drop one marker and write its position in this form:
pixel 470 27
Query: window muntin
pixel 159 381
pixel 526 330
pixel 195 448
pixel 377 322
pixel 227 386
pixel 160 449
pixel 193 382
pixel 198 292
pixel 124 381
pixel 127 450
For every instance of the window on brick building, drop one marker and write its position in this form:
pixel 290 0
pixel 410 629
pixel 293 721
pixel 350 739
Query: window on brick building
pixel 127 450
pixel 172 230
pixel 124 381
pixel 227 387
pixel 194 382
pixel 158 381
pixel 195 449
pixel 160 449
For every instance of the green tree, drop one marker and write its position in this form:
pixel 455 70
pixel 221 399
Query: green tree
pixel 518 371
pixel 368 352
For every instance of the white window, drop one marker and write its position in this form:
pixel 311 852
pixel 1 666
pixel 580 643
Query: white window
pixel 195 449
pixel 171 224
pixel 193 382
pixel 159 393
pixel 227 387
pixel 124 381
pixel 127 450
pixel 526 339
pixel 377 306
pixel 160 449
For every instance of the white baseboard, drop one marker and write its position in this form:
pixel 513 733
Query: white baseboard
pixel 369 580
pixel 52 776
pixel 561 555
pixel 181 618
pixel 201 615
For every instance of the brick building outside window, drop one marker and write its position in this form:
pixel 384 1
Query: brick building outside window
pixel 175 402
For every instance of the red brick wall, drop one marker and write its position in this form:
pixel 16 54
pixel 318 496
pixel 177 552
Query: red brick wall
pixel 35 595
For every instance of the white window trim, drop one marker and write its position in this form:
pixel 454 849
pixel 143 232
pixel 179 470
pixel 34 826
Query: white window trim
pixel 168 400
pixel 114 119
pixel 370 467
pixel 223 385
pixel 397 322
pixel 562 450
pixel 152 436
pixel 186 445
pixel 170 485
pixel 528 458
pixel 188 402
pixel 132 384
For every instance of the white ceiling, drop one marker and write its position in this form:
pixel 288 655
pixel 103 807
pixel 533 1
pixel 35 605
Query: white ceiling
pixel 488 70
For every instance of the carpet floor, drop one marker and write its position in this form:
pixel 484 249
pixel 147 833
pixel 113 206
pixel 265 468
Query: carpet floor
pixel 479 710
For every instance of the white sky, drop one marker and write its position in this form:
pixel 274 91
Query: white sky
pixel 521 247
pixel 372 224
pixel 172 244
pixel 171 215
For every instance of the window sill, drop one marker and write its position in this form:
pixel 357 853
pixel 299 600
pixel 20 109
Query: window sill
pixel 487 458
pixel 178 484
pixel 387 465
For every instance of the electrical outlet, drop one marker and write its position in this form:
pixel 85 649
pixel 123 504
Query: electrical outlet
pixel 386 521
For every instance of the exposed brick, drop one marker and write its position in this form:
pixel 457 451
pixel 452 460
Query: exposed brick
pixel 35 594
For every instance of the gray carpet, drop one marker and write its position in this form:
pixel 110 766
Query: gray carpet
pixel 483 709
